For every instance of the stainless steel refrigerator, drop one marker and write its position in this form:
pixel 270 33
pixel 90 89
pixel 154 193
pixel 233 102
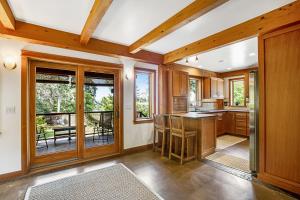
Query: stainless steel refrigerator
pixel 253 120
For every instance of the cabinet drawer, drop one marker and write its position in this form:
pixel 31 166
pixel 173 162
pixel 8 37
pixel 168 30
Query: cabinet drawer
pixel 241 123
pixel 241 131
pixel 241 115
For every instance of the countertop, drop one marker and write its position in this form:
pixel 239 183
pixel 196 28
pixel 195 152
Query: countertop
pixel 193 115
pixel 222 110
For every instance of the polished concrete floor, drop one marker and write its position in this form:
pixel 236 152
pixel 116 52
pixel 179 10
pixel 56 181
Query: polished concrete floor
pixel 193 180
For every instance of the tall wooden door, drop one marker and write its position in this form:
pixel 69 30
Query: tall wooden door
pixel 279 68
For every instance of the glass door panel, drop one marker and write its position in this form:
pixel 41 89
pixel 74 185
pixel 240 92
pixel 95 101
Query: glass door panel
pixel 98 109
pixel 54 135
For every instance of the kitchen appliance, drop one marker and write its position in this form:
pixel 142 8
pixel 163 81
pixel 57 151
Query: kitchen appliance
pixel 253 120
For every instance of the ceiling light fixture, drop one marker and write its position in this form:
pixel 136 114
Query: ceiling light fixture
pixel 186 60
pixel 197 59
pixel 252 54
pixel 229 68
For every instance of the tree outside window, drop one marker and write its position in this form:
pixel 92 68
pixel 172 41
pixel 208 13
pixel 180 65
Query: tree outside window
pixel 237 92
pixel 144 94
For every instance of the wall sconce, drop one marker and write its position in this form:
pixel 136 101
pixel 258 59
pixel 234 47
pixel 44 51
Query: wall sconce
pixel 9 63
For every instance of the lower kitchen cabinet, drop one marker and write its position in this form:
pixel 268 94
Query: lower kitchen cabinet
pixel 236 123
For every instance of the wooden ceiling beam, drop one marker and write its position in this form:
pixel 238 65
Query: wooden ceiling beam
pixel 96 14
pixel 6 16
pixel 279 17
pixel 186 15
pixel 51 37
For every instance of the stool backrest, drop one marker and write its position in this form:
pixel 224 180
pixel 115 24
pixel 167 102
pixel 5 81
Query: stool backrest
pixel 176 124
pixel 159 121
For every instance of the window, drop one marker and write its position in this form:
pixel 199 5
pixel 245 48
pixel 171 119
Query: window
pixel 194 92
pixel 237 92
pixel 144 98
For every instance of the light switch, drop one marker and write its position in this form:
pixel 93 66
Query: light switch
pixel 10 109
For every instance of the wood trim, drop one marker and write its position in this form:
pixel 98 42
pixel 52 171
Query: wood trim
pixel 67 60
pixel 6 16
pixel 183 17
pixel 192 71
pixel 237 72
pixel 264 23
pixel 24 107
pixel 152 90
pixel 11 175
pixel 137 149
pixel 46 36
pixel 96 14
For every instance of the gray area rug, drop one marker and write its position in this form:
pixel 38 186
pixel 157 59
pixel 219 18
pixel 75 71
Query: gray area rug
pixel 114 182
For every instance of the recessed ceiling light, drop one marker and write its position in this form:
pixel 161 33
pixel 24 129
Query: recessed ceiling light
pixel 229 68
pixel 252 54
pixel 220 61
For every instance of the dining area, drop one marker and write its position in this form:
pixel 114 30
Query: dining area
pixel 184 136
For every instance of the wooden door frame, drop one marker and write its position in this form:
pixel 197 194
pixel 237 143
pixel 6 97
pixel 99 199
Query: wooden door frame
pixel 26 57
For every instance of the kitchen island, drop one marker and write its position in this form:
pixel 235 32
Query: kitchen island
pixel 205 124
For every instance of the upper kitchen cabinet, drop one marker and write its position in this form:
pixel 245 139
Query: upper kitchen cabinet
pixel 180 83
pixel 213 88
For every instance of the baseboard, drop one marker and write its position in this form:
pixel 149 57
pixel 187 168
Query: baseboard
pixel 137 149
pixel 11 175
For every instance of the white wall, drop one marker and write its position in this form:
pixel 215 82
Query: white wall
pixel 10 102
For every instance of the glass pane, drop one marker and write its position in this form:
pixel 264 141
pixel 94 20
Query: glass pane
pixel 193 92
pixel 143 107
pixel 98 109
pixel 238 93
pixel 55 110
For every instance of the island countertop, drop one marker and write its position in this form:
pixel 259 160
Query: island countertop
pixel 193 115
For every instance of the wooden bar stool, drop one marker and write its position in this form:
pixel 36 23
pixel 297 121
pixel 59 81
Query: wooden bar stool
pixel 177 129
pixel 160 128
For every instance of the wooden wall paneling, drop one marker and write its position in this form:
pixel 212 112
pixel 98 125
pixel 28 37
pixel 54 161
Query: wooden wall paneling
pixel 206 88
pixel 279 59
pixel 176 83
pixel 276 18
pixel 80 112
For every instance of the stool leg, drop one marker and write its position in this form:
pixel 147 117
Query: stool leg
pixel 154 138
pixel 170 150
pixel 188 146
pixel 195 147
pixel 163 143
pixel 182 151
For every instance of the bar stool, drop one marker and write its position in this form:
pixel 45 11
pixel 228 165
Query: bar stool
pixel 160 128
pixel 177 129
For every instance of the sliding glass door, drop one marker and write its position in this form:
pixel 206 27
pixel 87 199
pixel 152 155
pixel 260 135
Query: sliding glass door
pixel 74 112
pixel 101 120
pixel 53 112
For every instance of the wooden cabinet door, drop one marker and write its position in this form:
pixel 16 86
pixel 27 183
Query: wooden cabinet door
pixel 279 117
pixel 214 88
pixel 220 123
pixel 184 81
pixel 176 83
pixel 220 88
pixel 230 122
pixel 206 88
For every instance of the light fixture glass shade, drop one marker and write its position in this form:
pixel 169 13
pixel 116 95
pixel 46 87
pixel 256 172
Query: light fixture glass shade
pixel 10 63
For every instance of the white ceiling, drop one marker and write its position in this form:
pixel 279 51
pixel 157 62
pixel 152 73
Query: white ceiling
pixel 128 20
pixel 64 15
pixel 236 56
pixel 225 16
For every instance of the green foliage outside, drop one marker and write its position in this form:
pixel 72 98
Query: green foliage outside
pixel 238 93
pixel 142 104
pixel 53 98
